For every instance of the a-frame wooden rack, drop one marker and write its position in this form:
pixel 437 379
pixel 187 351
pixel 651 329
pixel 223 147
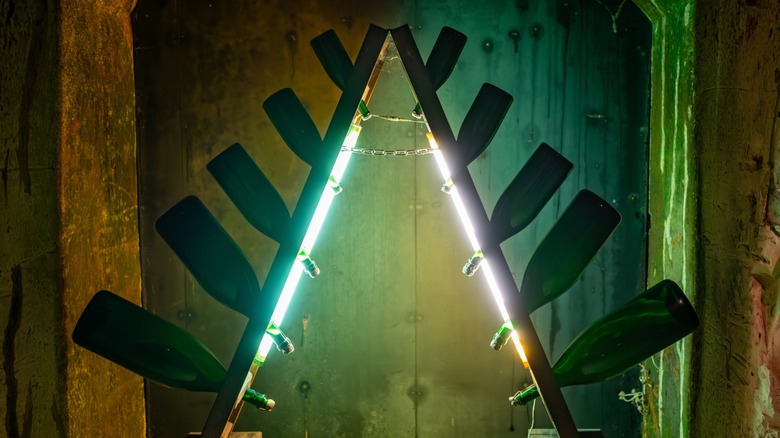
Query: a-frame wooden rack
pixel 357 82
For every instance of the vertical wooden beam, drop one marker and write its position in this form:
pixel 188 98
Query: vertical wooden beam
pixel 98 206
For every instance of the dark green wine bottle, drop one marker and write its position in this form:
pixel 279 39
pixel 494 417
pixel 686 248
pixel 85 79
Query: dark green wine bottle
pixel 249 189
pixel 152 347
pixel 295 126
pixel 333 57
pixel 481 122
pixel 445 53
pixel 211 255
pixel 647 324
pixel 567 249
pixel 528 192
pixel 564 253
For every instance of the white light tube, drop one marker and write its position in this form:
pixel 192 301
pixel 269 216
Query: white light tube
pixel 464 218
pixel 308 241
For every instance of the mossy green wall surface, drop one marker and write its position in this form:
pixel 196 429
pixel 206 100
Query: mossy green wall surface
pixel 32 350
pixel 672 200
pixel 715 77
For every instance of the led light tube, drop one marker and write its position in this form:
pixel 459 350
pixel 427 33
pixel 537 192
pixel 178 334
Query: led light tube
pixel 472 236
pixel 308 240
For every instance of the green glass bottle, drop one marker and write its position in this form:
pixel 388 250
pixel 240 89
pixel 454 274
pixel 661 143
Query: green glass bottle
pixel 333 57
pixel 564 252
pixel 441 61
pixel 249 189
pixel 528 192
pixel 471 266
pixel 152 347
pixel 502 336
pixel 567 249
pixel 481 122
pixel 211 255
pixel 647 324
pixel 295 126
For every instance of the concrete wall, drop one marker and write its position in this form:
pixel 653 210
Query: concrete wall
pixel 30 299
pixel 68 219
pixel 734 371
pixel 672 234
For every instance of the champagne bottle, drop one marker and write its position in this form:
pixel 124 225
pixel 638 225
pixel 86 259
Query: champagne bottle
pixel 152 347
pixel 567 249
pixel 502 336
pixel 309 267
pixel 481 122
pixel 333 57
pixel 564 252
pixel 295 126
pixel 211 255
pixel 529 192
pixel 647 324
pixel 251 191
pixel 473 264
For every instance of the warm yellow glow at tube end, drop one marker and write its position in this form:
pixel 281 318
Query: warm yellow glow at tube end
pixel 431 140
pixel 519 348
pixel 352 135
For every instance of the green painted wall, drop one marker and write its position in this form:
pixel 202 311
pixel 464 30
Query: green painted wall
pixel 672 235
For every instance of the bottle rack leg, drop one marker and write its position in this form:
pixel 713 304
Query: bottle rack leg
pixel 437 122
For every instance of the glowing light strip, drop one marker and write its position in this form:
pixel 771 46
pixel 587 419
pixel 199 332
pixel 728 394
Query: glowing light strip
pixel 308 240
pixel 464 218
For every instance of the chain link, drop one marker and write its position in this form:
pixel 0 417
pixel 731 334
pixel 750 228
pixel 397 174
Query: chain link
pixel 388 153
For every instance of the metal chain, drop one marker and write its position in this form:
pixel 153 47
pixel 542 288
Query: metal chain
pixel 390 118
pixel 388 153
pixel 365 115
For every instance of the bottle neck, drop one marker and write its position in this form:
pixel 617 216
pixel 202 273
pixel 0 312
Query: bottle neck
pixel 258 400
pixel 525 396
